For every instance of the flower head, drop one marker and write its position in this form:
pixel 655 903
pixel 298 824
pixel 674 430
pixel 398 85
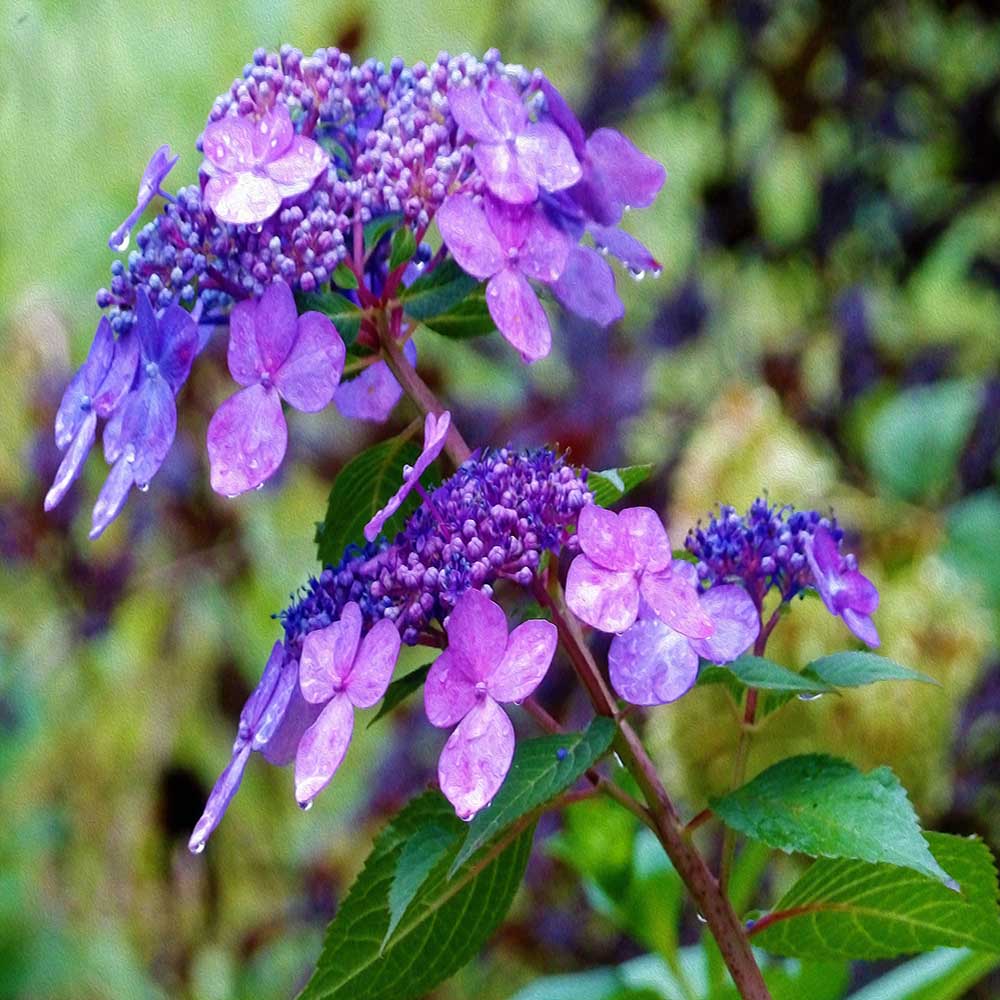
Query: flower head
pixel 845 591
pixel 340 671
pixel 435 434
pixel 626 557
pixel 160 164
pixel 276 355
pixel 482 668
pixel 253 165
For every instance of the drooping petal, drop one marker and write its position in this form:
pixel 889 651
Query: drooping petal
pixel 649 539
pixel 518 314
pixel 477 634
pixel 862 626
pixel 508 176
pixel 545 250
pixel 322 748
pixel 328 656
pixel 605 599
pixel 651 664
pixel 634 178
pixel 374 664
pixel 120 376
pixel 275 324
pixel 147 329
pixel 254 707
pixel 160 164
pixel 228 144
pixel 632 253
pixel 297 169
pixel 563 116
pixel 374 393
pixel 476 758
pixel 77 400
pixel 111 439
pixel 546 147
pixel 247 437
pixel 243 199
pixel 505 108
pixel 243 355
pixel 859 593
pixel 466 105
pixel 587 287
pixel 605 538
pixel 449 691
pixel 149 423
pixel 287 716
pixel 222 794
pixel 468 235
pixel 310 374
pixel 530 648
pixel 72 461
pixel 112 497
pixel 179 345
pixel 273 134
pixel 735 624
pixel 675 601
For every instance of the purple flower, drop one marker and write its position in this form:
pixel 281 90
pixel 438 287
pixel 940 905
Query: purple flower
pixel 342 672
pixel 260 720
pixel 508 244
pixel 587 287
pixel 652 664
pixel 160 164
pixel 276 354
pixel 435 434
pixel 515 156
pixel 627 556
pixel 252 166
pixel 845 591
pixel 139 435
pixel 374 393
pixel 482 668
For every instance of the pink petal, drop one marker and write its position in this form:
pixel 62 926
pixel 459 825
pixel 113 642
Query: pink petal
pixel 328 656
pixel 859 593
pixel 226 787
pixel 228 144
pixel 675 601
pixel 587 287
pixel 112 497
pixel 322 748
pixel 547 148
pixel 297 169
pixel 469 237
pixel 243 357
pixel 651 664
pixel 518 314
pixel 243 199
pixel 605 538
pixel 735 622
pixel 310 374
pixel 636 177
pixel 505 108
pixel 247 437
pixel 374 664
pixel 603 598
pixel 649 539
pixel 508 176
pixel 275 323
pixel 545 250
pixel 374 393
pixel 466 105
pixel 449 692
pixel 72 462
pixel 862 626
pixel 477 634
pixel 530 648
pixel 273 134
pixel 476 758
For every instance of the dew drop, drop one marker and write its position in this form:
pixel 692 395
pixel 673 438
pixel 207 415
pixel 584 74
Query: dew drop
pixel 306 806
pixel 655 272
pixel 198 848
pixel 807 696
pixel 232 496
pixel 701 918
pixel 255 227
pixel 122 245
pixel 259 487
pixel 636 273
pixel 142 487
pixel 466 817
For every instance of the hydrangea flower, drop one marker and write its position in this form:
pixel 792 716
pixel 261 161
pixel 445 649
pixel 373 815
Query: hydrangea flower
pixel 515 156
pixel 435 434
pixel 627 556
pixel 340 671
pixel 253 166
pixel 160 164
pixel 276 355
pixel 507 244
pixel 587 287
pixel 482 668
pixel 846 592
pixel 374 393
pixel 142 429
pixel 651 663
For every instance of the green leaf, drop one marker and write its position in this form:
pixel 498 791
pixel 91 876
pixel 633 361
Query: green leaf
pixel 361 488
pixel 378 227
pixel 611 485
pixel 853 669
pixel 825 807
pixel 446 922
pixel 849 909
pixel 470 318
pixel 945 974
pixel 344 277
pixel 402 247
pixel 399 690
pixel 343 313
pixel 542 769
pixel 417 860
pixel 437 291
pixel 757 672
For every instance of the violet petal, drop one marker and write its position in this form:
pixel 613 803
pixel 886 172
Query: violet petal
pixel 651 664
pixel 322 748
pixel 374 664
pixel 530 648
pixel 449 691
pixel 735 624
pixel 518 314
pixel 603 598
pixel 308 377
pixel 587 287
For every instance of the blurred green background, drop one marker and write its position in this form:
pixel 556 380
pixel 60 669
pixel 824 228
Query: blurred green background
pixel 826 328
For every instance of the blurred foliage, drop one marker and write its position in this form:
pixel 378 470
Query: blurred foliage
pixel 826 327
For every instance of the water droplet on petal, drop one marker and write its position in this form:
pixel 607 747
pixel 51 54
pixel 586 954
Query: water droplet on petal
pixel 259 486
pixel 306 806
pixel 466 816
pixel 122 245
pixel 256 227
pixel 198 848
pixel 142 487
pixel 232 496
pixel 701 918
pixel 636 273
pixel 808 696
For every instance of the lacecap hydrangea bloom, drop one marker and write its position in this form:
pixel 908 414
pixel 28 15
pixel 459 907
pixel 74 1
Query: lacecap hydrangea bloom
pixel 299 160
